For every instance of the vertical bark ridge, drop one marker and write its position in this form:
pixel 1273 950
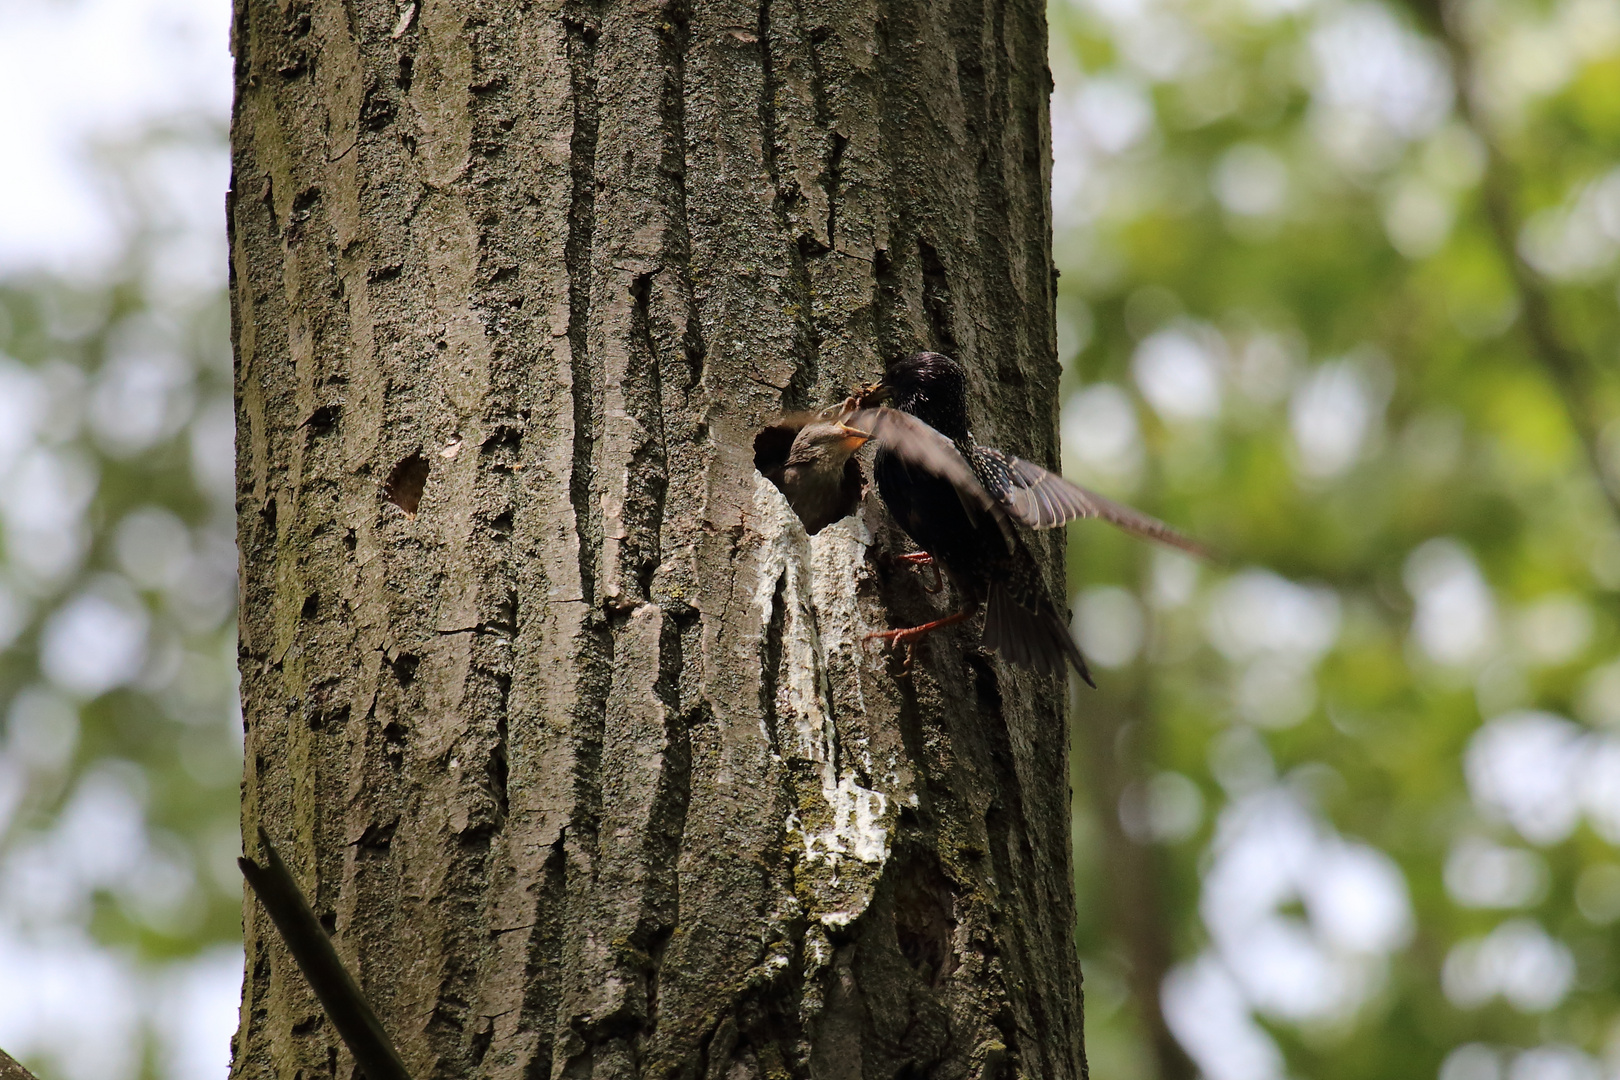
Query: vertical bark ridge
pixel 800 243
pixel 583 31
pixel 583 754
pixel 580 840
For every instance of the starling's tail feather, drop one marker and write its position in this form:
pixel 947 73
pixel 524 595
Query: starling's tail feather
pixel 1038 640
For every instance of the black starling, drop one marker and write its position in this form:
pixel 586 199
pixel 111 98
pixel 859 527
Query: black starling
pixel 982 555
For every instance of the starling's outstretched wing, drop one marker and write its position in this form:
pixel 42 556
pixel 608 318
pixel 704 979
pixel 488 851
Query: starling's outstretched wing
pixel 920 446
pixel 1043 500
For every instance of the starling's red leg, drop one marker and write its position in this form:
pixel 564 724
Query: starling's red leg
pixel 922 558
pixel 912 634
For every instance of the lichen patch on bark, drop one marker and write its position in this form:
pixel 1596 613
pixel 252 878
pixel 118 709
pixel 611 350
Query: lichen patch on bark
pixel 806 594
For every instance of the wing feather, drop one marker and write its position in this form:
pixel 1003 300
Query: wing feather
pixel 1043 500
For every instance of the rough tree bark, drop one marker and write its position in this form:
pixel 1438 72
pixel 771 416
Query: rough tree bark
pixel 566 725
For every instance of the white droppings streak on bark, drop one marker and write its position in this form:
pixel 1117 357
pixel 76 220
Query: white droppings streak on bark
pixel 836 555
pixel 818 592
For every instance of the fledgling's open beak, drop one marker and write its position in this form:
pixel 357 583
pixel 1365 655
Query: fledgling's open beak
pixel 853 437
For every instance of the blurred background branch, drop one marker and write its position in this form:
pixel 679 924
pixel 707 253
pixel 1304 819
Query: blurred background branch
pixel 1574 374
pixel 1113 752
pixel 10 1069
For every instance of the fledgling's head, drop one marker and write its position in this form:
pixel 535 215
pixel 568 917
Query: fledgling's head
pixel 827 444
pixel 933 388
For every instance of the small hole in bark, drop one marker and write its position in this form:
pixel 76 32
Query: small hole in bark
pixel 404 666
pixel 506 439
pixel 404 485
pixel 483 1036
pixel 811 247
pixel 377 111
pixel 376 840
pixel 312 606
pixel 394 743
pixel 323 421
pixel 771 447
pixel 324 713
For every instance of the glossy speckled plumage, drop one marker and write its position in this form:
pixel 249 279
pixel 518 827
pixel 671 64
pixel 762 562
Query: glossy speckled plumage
pixel 987 562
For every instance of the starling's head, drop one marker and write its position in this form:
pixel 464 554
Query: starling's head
pixel 933 388
pixel 827 443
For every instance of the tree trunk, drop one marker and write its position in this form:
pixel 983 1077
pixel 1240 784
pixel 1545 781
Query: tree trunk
pixel 568 728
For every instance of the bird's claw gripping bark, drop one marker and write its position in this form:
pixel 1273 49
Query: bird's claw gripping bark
pixel 910 635
pixel 922 558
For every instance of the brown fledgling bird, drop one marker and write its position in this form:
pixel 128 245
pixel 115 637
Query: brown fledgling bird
pixel 826 481
pixel 813 477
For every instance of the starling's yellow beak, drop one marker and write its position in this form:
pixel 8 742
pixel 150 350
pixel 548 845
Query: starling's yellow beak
pixel 853 437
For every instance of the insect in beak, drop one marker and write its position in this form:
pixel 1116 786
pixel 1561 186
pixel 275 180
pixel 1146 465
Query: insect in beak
pixel 873 394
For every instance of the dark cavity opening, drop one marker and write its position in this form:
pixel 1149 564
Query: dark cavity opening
pixel 771 448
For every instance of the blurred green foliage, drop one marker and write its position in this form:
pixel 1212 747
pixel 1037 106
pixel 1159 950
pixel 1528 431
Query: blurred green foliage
pixel 171 718
pixel 121 758
pixel 1292 326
